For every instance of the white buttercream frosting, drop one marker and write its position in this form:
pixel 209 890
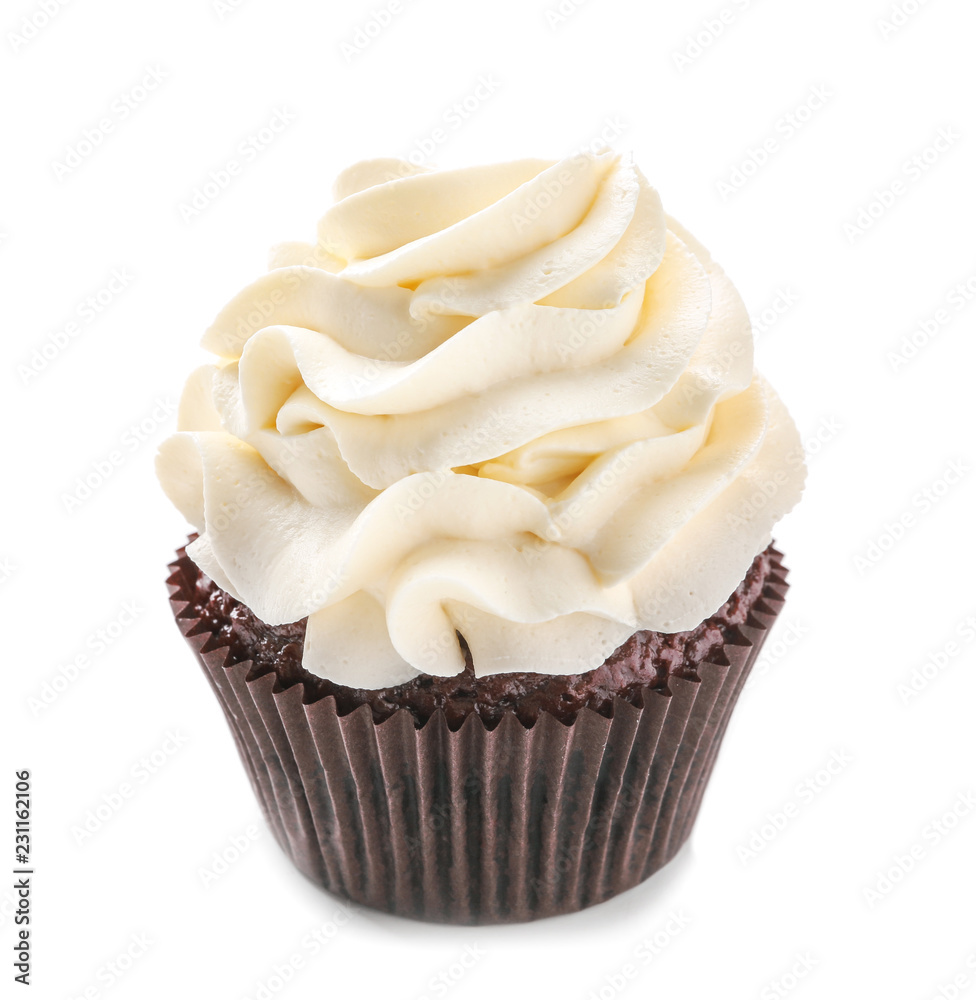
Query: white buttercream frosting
pixel 515 402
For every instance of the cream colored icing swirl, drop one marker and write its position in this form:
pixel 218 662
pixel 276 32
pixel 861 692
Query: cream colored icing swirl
pixel 515 402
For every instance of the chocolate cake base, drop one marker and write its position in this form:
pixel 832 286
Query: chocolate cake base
pixel 645 660
pixel 512 815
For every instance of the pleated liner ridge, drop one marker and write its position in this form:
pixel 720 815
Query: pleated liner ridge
pixel 481 826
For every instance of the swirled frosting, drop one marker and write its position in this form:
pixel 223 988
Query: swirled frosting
pixel 515 402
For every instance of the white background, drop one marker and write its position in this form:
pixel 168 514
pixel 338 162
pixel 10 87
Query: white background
pixel 880 429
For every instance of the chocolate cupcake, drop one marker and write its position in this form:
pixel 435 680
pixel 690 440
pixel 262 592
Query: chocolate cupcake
pixel 483 482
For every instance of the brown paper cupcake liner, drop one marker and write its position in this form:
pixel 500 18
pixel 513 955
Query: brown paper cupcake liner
pixel 481 825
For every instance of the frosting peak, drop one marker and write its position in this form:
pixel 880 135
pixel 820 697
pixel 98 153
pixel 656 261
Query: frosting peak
pixel 515 402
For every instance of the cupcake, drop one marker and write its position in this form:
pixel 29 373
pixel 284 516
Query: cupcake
pixel 482 485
